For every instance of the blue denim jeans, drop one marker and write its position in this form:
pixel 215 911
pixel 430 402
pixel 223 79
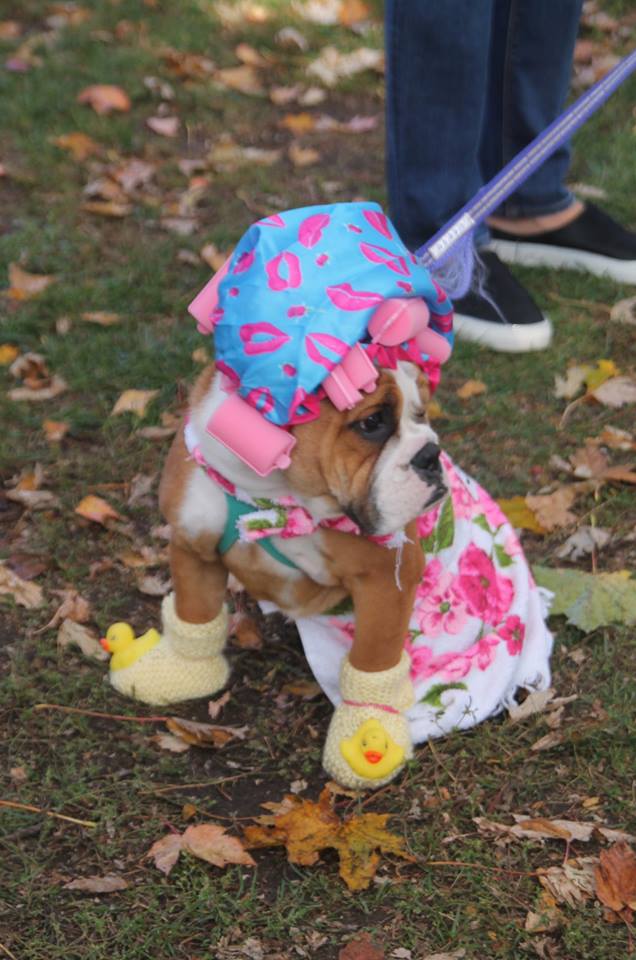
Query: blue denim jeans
pixel 469 84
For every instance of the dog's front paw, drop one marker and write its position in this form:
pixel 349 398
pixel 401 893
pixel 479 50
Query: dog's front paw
pixel 369 739
pixel 183 663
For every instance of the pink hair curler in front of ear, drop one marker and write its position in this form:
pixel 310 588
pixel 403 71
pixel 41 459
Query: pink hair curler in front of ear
pixel 355 373
pixel 248 435
pixel 205 302
pixel 397 320
pixel 434 344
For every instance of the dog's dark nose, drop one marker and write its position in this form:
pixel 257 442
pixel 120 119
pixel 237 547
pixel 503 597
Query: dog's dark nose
pixel 426 461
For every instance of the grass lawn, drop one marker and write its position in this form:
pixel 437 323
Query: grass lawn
pixel 143 265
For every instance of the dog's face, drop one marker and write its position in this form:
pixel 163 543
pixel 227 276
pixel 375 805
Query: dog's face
pixel 379 461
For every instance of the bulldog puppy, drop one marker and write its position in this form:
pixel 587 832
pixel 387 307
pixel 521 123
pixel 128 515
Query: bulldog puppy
pixel 377 464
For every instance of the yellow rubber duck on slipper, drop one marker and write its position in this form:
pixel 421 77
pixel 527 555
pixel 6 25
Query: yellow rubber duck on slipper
pixel 183 662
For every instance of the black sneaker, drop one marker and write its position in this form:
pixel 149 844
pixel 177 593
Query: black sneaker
pixel 593 242
pixel 500 314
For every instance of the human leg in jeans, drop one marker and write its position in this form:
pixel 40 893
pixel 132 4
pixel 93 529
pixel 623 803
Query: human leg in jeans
pixel 481 79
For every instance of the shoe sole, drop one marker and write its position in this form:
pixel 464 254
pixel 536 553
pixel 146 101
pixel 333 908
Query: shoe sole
pixel 504 337
pixel 567 258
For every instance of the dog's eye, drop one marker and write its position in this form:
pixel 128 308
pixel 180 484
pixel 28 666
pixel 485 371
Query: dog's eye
pixel 378 426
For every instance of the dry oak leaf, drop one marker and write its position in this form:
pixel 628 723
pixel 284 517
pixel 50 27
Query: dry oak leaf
pixel 615 879
pixel 204 734
pixel 105 98
pixel 134 401
pixel 107 884
pixel 249 55
pixel 78 144
pixel 153 585
pixel 298 123
pixel 95 509
pixel 214 257
pixel 24 285
pixel 308 827
pixel 25 593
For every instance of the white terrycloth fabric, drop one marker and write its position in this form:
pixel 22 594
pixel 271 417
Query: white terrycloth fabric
pixel 478 630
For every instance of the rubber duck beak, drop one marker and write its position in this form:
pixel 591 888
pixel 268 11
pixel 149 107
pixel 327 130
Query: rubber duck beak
pixel 104 642
pixel 373 756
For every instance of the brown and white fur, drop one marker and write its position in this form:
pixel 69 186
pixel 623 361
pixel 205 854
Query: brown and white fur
pixel 364 463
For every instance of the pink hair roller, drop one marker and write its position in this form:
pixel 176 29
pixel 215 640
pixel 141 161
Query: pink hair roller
pixel 248 435
pixel 397 320
pixel 355 373
pixel 205 302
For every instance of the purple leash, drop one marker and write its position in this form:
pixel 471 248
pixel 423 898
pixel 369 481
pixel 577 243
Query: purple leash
pixel 442 246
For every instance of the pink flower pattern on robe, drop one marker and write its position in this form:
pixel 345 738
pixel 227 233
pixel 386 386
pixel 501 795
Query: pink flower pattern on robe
pixel 487 594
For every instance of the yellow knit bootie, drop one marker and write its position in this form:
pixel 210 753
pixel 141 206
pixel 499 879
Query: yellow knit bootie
pixel 184 663
pixel 369 739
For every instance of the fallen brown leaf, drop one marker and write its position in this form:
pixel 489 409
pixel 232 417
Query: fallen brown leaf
pixel 189 66
pixel 167 741
pixel 331 65
pixel 304 689
pixel 78 144
pixel 105 98
pixel 361 947
pixel 302 156
pixel 164 126
pixel 134 401
pixel 107 208
pixel 298 123
pixel 615 879
pixel 624 311
pixel 98 510
pixel 8 353
pixel 472 388
pixel 55 430
pixel 206 841
pixel 615 392
pixel 24 285
pixel 24 593
pixel 72 634
pixel 539 828
pixel 520 515
pixel 249 55
pixel 153 585
pixel 34 499
pixel 545 917
pixel 572 883
pixel 211 255
pixel 204 734
pixel 103 318
pixel 244 79
pixel 73 607
pixel 107 884
pixel 308 827
pixel 552 509
pixel 215 706
pixel 209 842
